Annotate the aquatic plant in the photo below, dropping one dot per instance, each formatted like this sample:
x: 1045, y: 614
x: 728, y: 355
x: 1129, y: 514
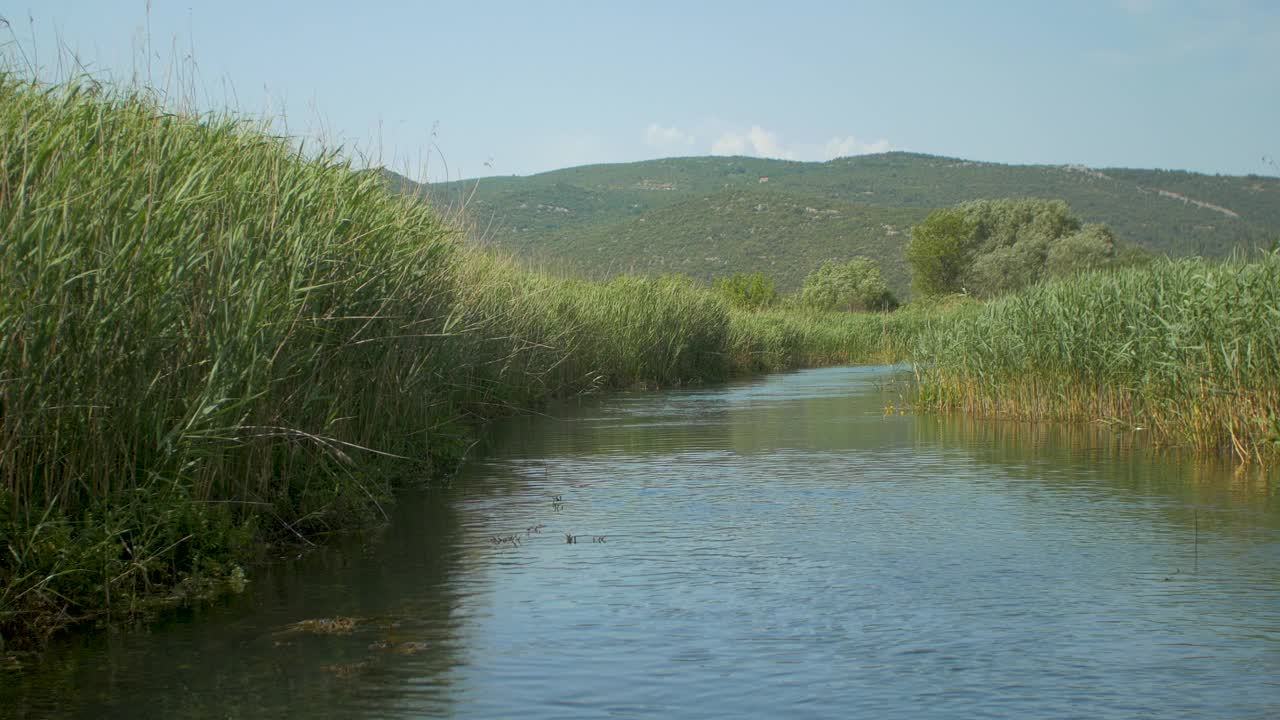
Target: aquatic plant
x: 212, y: 340
x: 774, y: 340
x: 1188, y: 350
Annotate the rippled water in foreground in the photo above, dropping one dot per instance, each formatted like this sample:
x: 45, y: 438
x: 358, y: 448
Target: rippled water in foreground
x: 777, y: 548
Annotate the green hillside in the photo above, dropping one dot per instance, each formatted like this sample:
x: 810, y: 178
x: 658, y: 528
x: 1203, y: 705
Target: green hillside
x: 711, y: 216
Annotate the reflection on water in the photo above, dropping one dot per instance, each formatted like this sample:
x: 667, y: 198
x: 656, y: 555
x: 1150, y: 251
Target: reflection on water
x: 248, y: 658
x: 776, y: 548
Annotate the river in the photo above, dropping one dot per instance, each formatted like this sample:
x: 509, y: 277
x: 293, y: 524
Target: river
x: 799, y: 546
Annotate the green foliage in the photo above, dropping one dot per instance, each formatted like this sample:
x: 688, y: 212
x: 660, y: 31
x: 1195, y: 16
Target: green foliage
x: 710, y: 217
x: 190, y: 315
x: 990, y: 247
x: 1187, y: 349
x: 1091, y: 248
x: 853, y: 285
x: 775, y: 340
x: 210, y: 343
x: 748, y: 229
x: 940, y: 251
x: 748, y: 291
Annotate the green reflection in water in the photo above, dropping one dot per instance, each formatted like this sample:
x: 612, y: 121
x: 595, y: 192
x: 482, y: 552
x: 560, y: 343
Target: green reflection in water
x: 244, y: 657
x: 445, y: 621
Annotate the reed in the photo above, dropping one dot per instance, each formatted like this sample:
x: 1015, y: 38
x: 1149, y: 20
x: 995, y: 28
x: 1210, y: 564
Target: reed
x: 559, y: 336
x: 211, y: 340
x: 1187, y: 350
x: 782, y: 339
x: 196, y: 327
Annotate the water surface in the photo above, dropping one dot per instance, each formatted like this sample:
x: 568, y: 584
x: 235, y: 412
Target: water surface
x: 773, y: 548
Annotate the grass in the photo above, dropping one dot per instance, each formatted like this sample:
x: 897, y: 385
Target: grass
x: 1186, y: 350
x: 211, y: 341
x: 195, y: 326
x: 782, y: 339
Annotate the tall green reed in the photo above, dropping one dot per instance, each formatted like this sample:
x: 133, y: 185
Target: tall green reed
x: 208, y: 339
x: 769, y: 340
x: 195, y: 322
x: 1188, y: 350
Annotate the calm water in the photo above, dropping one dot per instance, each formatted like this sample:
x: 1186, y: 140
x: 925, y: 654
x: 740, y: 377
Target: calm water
x: 778, y: 548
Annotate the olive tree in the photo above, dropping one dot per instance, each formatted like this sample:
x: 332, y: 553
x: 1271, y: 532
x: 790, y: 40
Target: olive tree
x: 854, y: 285
x: 987, y: 247
x: 748, y: 291
x: 1093, y: 247
x: 940, y: 251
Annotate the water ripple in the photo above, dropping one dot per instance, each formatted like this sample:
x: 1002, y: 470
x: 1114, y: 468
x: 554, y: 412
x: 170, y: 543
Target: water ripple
x: 775, y: 548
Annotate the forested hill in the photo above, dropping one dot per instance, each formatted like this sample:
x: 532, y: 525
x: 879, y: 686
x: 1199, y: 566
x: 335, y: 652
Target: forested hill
x: 711, y: 216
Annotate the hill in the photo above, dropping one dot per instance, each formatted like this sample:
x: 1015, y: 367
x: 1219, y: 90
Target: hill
x: 711, y: 216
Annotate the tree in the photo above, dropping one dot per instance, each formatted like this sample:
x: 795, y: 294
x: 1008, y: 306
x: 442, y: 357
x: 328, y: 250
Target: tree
x: 1093, y: 247
x: 854, y: 285
x: 748, y: 291
x: 940, y: 250
x: 988, y: 247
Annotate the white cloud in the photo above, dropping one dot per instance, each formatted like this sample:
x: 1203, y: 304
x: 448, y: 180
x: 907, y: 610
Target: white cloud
x: 666, y: 138
x: 760, y: 142
x: 757, y: 141
x: 730, y: 144
x: 850, y: 145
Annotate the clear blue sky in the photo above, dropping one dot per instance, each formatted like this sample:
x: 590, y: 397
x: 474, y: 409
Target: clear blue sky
x: 523, y: 87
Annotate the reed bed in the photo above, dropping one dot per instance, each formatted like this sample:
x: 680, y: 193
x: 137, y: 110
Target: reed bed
x: 200, y: 334
x: 559, y: 336
x: 1187, y: 350
x: 211, y: 341
x: 772, y: 340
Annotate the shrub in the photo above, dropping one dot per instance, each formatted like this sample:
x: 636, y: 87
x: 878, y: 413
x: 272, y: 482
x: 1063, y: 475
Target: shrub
x: 990, y: 247
x: 752, y: 291
x: 853, y: 285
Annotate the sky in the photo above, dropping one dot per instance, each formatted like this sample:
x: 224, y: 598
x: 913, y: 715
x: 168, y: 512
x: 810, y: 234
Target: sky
x: 469, y: 88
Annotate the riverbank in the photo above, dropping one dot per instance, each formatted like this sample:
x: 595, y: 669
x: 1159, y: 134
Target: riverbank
x: 792, y: 499
x: 1186, y: 350
x: 211, y: 344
